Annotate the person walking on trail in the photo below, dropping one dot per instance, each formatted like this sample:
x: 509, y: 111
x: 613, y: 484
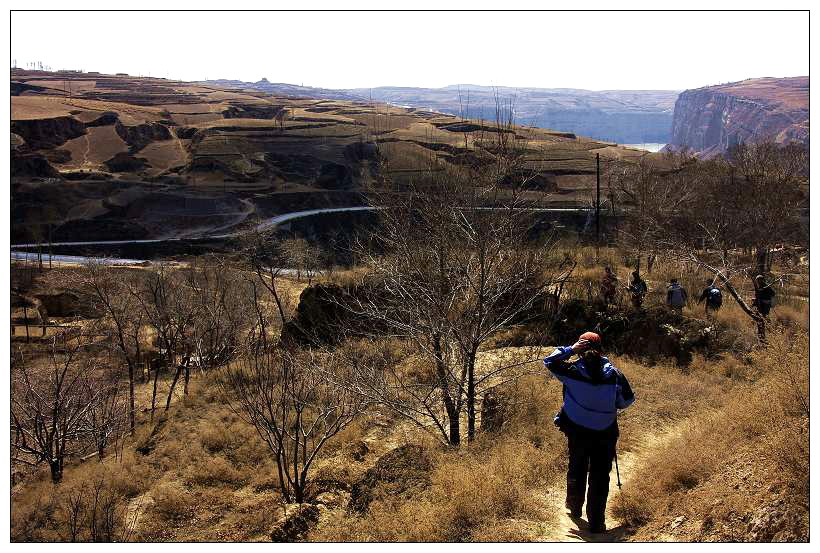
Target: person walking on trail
x: 764, y: 296
x: 676, y: 295
x: 594, y: 390
x: 711, y: 296
x: 637, y: 289
x: 609, y: 286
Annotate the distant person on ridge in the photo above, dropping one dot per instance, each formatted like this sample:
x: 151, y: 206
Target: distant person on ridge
x: 764, y: 296
x: 711, y: 296
x: 637, y: 289
x: 609, y: 286
x: 594, y: 390
x: 676, y: 295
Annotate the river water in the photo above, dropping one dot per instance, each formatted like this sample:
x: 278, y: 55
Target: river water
x: 648, y: 146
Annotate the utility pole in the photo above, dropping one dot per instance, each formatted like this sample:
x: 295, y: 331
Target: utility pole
x: 597, y: 200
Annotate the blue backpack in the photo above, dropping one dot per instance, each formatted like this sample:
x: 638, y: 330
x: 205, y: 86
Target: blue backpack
x: 715, y: 298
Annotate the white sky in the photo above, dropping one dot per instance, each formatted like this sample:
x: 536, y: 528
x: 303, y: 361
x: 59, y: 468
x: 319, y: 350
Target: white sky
x: 600, y: 50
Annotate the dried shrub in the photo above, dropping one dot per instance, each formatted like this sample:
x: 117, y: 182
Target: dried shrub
x: 212, y: 471
x: 172, y: 502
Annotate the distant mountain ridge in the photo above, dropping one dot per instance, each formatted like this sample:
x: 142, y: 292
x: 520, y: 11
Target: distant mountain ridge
x: 622, y: 116
x: 285, y: 89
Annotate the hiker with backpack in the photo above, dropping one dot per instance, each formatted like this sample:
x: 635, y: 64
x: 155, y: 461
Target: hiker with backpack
x: 676, y: 295
x: 711, y: 296
x: 593, y: 392
x: 637, y: 289
x: 764, y: 296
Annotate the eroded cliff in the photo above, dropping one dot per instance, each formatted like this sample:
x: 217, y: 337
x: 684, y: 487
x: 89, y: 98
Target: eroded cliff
x: 712, y: 119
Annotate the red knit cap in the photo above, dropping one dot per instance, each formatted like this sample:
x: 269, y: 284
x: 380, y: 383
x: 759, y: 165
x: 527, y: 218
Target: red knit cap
x: 591, y: 337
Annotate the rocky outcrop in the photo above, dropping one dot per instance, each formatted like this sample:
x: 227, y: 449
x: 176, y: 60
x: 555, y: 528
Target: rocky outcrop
x: 67, y: 304
x: 140, y: 136
x: 651, y: 334
x: 107, y: 118
x: 252, y: 112
x: 126, y: 163
x: 29, y: 164
x: 186, y: 132
x: 42, y: 134
x: 711, y: 120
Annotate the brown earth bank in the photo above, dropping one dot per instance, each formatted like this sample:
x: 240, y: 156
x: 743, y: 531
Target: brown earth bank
x: 261, y: 146
x: 712, y: 119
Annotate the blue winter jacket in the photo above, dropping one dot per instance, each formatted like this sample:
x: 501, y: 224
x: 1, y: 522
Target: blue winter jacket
x: 590, y: 401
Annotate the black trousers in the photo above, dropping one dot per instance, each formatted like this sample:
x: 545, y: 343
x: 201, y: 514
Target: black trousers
x: 590, y: 455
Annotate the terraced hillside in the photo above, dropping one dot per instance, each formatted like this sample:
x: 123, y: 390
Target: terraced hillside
x: 113, y: 156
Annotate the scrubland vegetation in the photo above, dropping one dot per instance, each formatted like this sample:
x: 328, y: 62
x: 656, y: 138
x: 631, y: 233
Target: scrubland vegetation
x: 229, y: 399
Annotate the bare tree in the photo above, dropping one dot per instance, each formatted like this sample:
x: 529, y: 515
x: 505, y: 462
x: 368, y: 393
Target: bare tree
x: 49, y: 405
x: 95, y: 512
x: 165, y: 297
x: 724, y: 207
x: 105, y: 418
x: 294, y: 401
x: 771, y: 177
x: 453, y: 261
x: 650, y: 192
x: 280, y: 118
x: 112, y: 290
x: 222, y: 298
x: 302, y: 256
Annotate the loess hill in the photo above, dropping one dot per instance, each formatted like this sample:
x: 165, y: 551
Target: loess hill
x: 118, y: 157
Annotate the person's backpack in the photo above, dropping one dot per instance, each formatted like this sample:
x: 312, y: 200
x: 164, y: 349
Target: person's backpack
x: 715, y: 298
x: 766, y: 295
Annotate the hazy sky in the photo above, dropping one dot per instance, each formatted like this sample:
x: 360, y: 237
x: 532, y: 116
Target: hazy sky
x: 601, y: 50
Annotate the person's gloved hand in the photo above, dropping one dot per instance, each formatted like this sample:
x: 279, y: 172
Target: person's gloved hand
x: 580, y: 346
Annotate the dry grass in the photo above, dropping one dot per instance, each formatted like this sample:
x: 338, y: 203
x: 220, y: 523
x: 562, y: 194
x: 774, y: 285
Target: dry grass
x: 494, y: 489
x: 207, y: 475
x: 471, y: 491
x: 763, y: 427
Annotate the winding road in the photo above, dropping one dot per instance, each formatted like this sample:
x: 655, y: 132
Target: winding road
x: 265, y: 225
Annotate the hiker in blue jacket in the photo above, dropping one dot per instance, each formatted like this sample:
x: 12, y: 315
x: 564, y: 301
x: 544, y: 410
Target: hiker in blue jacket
x: 676, y: 295
x: 593, y: 392
x: 712, y: 297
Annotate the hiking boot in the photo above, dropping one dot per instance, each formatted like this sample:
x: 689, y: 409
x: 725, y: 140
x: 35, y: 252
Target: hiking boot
x: 574, y: 511
x: 597, y: 528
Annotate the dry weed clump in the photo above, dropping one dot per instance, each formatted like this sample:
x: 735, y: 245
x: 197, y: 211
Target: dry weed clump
x: 768, y: 416
x: 88, y: 506
x: 792, y: 317
x: 172, y: 502
x: 132, y: 477
x: 213, y: 471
